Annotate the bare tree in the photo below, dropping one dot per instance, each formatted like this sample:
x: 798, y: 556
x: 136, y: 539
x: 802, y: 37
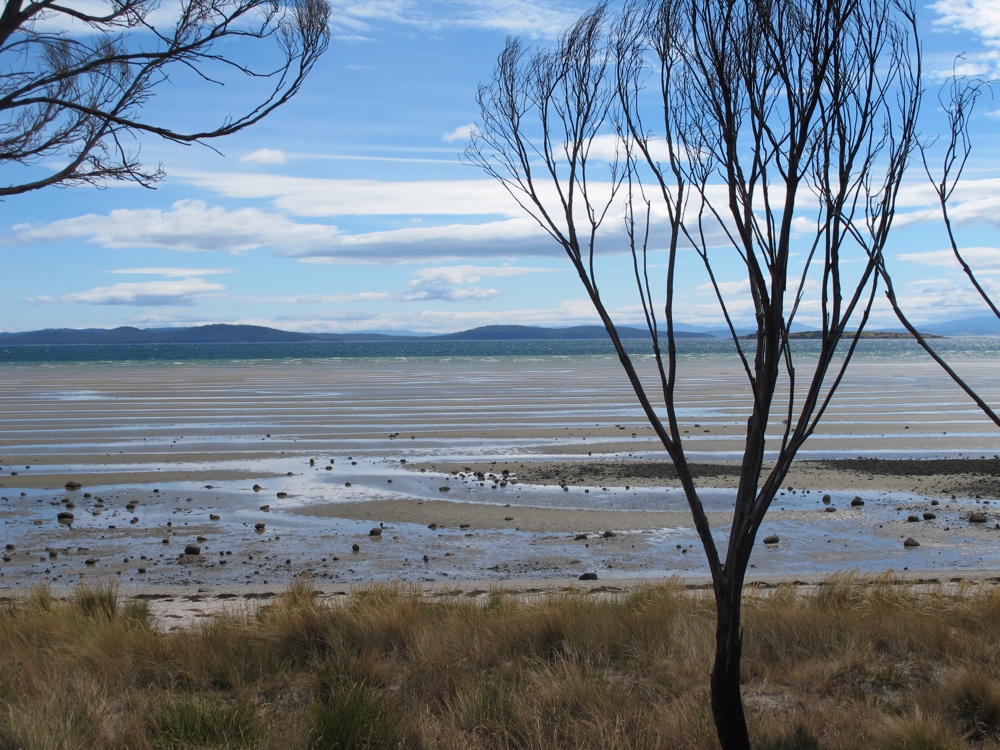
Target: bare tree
x: 958, y: 100
x: 76, y: 80
x: 732, y: 118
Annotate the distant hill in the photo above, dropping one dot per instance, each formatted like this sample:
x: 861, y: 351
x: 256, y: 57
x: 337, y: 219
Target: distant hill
x: 986, y: 325
x: 243, y: 334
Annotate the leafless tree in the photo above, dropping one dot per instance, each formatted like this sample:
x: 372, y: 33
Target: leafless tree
x: 958, y: 100
x: 77, y: 79
x: 732, y: 118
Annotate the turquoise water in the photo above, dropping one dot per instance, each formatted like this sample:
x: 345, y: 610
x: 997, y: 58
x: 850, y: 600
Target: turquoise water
x: 973, y: 347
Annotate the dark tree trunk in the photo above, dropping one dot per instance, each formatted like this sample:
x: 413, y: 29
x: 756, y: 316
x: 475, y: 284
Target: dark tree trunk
x: 727, y: 701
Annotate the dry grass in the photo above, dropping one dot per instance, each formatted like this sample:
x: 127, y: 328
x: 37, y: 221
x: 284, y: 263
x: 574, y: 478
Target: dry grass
x: 862, y: 663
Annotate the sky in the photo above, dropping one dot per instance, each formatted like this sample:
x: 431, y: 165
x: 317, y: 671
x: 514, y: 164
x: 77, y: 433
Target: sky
x: 351, y: 209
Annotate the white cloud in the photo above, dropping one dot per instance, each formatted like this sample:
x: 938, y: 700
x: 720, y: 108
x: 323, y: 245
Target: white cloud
x: 440, y: 283
x: 472, y: 294
x: 311, y: 196
x: 148, y: 293
x: 174, y: 273
x: 265, y: 156
x: 356, y: 20
x: 981, y: 259
x: 469, y: 274
x: 980, y: 17
x: 461, y: 134
x: 189, y: 226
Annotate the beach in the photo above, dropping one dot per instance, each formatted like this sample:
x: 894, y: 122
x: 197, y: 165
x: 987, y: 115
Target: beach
x: 467, y: 473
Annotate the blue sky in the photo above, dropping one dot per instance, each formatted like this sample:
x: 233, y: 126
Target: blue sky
x: 350, y: 209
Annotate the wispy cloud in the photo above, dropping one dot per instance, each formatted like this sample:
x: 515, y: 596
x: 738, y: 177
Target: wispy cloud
x: 461, y: 134
x: 360, y: 19
x: 147, y: 293
x: 265, y: 156
x: 188, y: 226
x: 174, y: 273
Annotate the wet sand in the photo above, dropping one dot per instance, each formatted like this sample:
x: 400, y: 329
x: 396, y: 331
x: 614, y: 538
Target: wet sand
x: 169, y: 455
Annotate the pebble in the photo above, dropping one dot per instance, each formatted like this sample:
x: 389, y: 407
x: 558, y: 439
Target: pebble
x: 609, y: 534
x: 259, y: 526
x: 977, y: 517
x: 192, y: 549
x: 65, y: 515
x: 375, y: 532
x: 73, y: 485
x: 826, y: 499
x: 912, y: 519
x: 857, y: 502
x: 256, y: 488
x: 591, y: 576
x: 282, y: 494
x: 580, y: 537
x: 928, y: 516
x: 355, y: 548
x: 772, y: 539
x: 911, y: 542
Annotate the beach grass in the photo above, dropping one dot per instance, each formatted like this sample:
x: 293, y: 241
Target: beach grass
x: 859, y: 662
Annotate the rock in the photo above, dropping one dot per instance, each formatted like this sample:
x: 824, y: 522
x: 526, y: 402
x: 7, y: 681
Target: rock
x: 355, y: 548
x: 928, y: 516
x: 580, y: 537
x: 214, y: 516
x: 591, y: 576
x: 977, y: 517
x: 830, y: 509
x: 140, y: 570
x: 609, y: 534
x: 444, y: 488
x: 772, y: 539
x: 432, y: 526
x: 64, y: 515
x: 912, y: 519
x: 826, y: 499
x: 265, y: 508
x: 257, y: 488
x: 911, y: 542
x: 375, y: 532
x: 935, y: 502
x: 282, y: 494
x: 192, y: 549
x: 73, y: 485
x: 90, y: 561
x: 857, y: 502
x: 259, y: 526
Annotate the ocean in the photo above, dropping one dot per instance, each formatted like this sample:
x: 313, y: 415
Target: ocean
x: 965, y: 348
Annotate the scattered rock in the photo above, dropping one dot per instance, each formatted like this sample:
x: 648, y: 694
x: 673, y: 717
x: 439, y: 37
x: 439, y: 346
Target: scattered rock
x: 432, y: 526
x: 355, y: 548
x: 259, y: 526
x: 928, y: 516
x: 257, y: 488
x: 73, y: 486
x: 830, y: 509
x: 591, y: 576
x: 772, y: 539
x: 64, y: 515
x: 580, y: 537
x: 90, y: 561
x: 192, y: 549
x: 282, y: 494
x: 140, y: 570
x: 609, y: 534
x: 826, y: 499
x: 912, y: 519
x: 978, y: 517
x: 265, y: 508
x: 444, y: 488
x: 857, y: 502
x: 911, y: 542
x: 214, y: 516
x: 375, y: 532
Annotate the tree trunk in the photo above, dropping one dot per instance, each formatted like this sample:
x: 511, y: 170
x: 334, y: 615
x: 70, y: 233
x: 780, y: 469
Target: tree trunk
x: 727, y: 701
